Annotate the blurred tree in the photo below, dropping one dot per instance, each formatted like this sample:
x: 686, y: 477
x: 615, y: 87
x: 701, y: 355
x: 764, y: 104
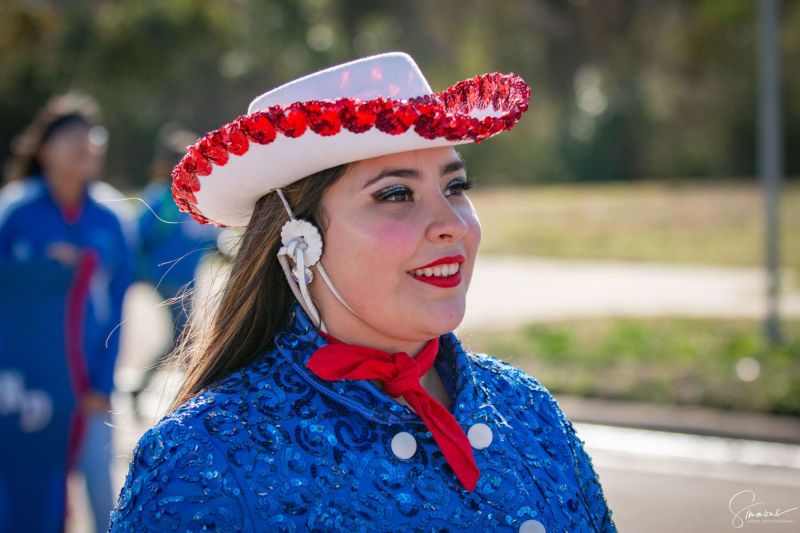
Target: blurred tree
x: 622, y: 89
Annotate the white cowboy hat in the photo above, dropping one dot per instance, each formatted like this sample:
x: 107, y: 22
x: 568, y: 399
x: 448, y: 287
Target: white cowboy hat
x: 366, y: 108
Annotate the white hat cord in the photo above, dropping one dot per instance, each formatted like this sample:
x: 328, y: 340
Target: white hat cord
x: 302, y: 242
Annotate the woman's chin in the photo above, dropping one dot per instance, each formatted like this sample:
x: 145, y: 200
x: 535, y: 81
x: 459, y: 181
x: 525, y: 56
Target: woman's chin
x: 445, y: 319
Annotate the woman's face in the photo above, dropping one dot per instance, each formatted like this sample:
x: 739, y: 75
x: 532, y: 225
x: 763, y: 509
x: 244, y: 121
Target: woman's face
x: 388, y: 217
x: 72, y: 154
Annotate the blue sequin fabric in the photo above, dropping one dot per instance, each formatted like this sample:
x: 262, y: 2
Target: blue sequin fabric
x: 272, y: 447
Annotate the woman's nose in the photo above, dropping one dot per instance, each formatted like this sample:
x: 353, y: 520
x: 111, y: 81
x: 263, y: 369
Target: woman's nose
x: 446, y: 222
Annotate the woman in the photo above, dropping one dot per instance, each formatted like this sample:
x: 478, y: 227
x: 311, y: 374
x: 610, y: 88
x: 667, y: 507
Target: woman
x: 353, y: 406
x: 65, y: 260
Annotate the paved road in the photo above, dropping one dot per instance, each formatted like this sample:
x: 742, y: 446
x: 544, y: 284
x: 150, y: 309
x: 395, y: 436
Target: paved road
x: 666, y: 482
x: 508, y: 291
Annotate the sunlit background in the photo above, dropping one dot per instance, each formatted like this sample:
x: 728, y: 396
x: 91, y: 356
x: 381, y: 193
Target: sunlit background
x: 623, y: 261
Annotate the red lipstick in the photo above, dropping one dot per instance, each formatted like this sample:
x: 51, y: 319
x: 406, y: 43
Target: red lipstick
x: 442, y: 281
x: 443, y: 261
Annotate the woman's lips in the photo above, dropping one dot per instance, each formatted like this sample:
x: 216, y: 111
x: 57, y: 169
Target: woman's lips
x: 441, y: 266
x: 440, y: 281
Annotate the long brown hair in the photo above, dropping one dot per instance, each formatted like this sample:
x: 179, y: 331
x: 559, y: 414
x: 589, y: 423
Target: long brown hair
x: 255, y: 302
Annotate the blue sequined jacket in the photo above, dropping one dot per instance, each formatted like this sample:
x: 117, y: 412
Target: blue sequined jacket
x: 272, y: 447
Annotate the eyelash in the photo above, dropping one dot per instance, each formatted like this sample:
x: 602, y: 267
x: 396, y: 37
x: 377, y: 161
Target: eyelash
x: 395, y: 190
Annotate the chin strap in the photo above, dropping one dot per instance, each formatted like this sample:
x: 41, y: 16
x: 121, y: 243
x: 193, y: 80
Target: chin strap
x: 303, y: 243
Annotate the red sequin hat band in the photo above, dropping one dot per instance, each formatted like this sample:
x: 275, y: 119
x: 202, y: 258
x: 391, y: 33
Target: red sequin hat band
x: 358, y: 110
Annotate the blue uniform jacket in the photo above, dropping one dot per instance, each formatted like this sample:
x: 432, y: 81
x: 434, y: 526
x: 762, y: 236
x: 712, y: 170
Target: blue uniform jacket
x: 274, y: 448
x: 30, y: 221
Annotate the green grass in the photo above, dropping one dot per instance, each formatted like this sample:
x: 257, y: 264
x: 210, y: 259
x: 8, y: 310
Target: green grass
x: 711, y: 223
x: 667, y: 360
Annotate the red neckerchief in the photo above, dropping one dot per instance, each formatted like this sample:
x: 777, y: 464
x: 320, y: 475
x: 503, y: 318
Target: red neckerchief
x: 400, y: 375
x: 72, y: 213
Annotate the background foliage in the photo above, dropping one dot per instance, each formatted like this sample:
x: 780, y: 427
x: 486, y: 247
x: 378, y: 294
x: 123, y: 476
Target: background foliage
x: 623, y: 89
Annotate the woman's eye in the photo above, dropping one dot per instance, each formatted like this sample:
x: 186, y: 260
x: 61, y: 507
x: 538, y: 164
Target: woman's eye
x: 401, y: 193
x: 394, y: 194
x: 460, y: 185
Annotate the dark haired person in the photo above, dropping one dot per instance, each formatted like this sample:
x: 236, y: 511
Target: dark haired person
x: 66, y: 266
x: 329, y: 392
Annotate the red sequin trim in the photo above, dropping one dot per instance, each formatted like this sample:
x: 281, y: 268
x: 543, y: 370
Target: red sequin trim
x: 443, y: 114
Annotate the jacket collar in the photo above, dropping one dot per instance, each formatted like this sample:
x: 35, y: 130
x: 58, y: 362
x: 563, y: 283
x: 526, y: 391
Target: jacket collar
x: 47, y: 193
x: 300, y: 339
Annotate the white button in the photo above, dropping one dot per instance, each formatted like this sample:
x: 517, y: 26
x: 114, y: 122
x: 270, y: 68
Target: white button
x: 404, y: 445
x: 480, y: 436
x: 532, y: 526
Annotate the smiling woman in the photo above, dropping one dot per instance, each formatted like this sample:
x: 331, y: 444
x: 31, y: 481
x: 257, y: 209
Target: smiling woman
x: 329, y: 392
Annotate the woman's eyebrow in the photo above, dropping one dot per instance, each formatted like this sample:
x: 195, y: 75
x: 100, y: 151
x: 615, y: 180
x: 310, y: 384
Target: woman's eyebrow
x: 413, y: 173
x: 453, y: 167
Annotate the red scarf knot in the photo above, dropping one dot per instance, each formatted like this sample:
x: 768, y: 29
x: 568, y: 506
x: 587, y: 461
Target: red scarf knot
x: 406, y: 377
x: 400, y: 375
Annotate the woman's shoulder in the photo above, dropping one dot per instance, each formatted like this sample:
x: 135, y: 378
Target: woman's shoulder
x: 107, y: 211
x: 197, y: 417
x: 110, y: 204
x: 179, y: 477
x: 537, y: 406
x: 18, y: 195
x: 520, y: 392
x: 505, y: 377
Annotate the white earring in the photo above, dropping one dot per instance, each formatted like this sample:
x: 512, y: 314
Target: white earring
x: 302, y: 242
x: 307, y: 241
x: 309, y: 275
x: 307, y: 237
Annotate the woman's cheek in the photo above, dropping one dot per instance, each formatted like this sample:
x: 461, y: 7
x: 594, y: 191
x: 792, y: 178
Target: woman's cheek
x: 370, y: 254
x: 472, y: 241
x: 389, y: 237
x: 470, y: 217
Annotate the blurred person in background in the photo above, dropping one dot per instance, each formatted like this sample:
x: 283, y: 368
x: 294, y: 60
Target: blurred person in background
x: 67, y: 264
x: 171, y: 244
